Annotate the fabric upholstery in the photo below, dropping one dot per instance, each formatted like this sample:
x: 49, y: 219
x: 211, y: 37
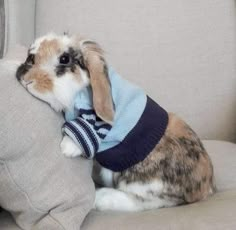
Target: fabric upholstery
x: 217, y: 212
x: 181, y: 52
x: 223, y: 155
x: 7, y: 222
x: 38, y: 185
x: 2, y: 27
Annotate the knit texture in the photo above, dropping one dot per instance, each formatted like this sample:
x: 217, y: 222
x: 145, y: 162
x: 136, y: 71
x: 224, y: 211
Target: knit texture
x: 139, y: 123
x: 139, y: 142
x: 87, y: 131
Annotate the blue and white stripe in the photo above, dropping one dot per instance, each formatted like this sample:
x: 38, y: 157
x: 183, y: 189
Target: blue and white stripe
x: 87, y: 130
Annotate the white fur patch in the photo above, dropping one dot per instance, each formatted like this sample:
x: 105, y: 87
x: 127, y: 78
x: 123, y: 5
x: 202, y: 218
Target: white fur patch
x: 112, y: 199
x: 106, y: 176
x: 66, y: 87
x: 117, y: 200
x: 46, y: 96
x: 144, y: 190
x: 135, y: 196
x: 69, y: 148
x: 84, y: 77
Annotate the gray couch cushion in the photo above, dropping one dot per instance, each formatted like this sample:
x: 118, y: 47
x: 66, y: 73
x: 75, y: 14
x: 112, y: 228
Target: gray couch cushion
x: 181, y: 52
x: 223, y: 155
x: 7, y: 222
x: 41, y: 188
x: 217, y: 212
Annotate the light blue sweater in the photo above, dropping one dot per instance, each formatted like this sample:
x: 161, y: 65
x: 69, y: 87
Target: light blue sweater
x: 98, y: 138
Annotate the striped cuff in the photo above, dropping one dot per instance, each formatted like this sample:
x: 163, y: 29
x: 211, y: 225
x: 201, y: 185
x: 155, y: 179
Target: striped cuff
x: 83, y: 135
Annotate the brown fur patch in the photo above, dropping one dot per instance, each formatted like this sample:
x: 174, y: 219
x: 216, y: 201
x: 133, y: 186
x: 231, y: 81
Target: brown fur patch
x: 180, y: 161
x: 177, y: 126
x: 41, y: 79
x: 95, y: 63
x: 47, y: 49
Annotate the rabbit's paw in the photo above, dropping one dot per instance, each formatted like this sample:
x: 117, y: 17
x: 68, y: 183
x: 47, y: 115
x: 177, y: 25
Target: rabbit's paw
x: 69, y: 148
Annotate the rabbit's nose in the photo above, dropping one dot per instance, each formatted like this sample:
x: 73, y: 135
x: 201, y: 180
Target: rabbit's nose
x: 21, y: 71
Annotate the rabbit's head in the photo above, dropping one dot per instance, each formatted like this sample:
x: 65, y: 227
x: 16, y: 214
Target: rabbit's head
x: 58, y: 67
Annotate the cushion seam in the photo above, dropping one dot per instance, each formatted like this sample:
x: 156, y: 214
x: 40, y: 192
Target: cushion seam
x: 28, y: 199
x: 22, y: 191
x: 56, y: 221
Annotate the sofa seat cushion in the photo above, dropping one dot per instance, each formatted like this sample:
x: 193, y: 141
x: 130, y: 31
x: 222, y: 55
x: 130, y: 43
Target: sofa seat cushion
x: 223, y: 156
x: 217, y: 212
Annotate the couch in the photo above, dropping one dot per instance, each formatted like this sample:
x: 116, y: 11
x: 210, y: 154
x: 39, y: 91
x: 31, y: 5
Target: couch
x: 183, y: 54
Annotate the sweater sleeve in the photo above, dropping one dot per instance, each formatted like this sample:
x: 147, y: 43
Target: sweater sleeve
x: 87, y: 131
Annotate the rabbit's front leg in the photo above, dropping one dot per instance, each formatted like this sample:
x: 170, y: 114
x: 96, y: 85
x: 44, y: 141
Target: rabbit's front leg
x: 69, y: 148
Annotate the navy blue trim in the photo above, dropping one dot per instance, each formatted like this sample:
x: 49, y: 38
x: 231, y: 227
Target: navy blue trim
x: 79, y: 137
x: 89, y: 132
x: 87, y: 111
x: 90, y: 121
x: 103, y: 126
x: 101, y: 135
x: 140, y: 141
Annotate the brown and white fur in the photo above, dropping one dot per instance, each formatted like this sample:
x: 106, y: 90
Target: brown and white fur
x: 177, y: 171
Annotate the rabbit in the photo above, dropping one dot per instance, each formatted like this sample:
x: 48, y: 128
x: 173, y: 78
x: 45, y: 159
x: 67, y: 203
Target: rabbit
x: 164, y: 165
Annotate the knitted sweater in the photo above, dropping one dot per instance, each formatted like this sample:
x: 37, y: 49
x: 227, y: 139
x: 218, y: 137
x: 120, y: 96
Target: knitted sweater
x: 139, y: 123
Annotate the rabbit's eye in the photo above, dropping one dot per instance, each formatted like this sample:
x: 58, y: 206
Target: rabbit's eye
x: 65, y: 59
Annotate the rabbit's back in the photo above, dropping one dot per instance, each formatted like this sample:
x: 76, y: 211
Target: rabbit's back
x: 179, y: 162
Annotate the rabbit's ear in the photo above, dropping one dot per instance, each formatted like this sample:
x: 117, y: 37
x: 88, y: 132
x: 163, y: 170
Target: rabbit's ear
x: 92, y: 59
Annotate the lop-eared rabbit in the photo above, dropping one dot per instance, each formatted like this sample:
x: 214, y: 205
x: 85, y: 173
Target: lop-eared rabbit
x: 145, y: 157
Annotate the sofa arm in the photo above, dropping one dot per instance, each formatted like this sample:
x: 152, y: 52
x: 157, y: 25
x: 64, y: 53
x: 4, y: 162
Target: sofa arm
x: 17, y: 23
